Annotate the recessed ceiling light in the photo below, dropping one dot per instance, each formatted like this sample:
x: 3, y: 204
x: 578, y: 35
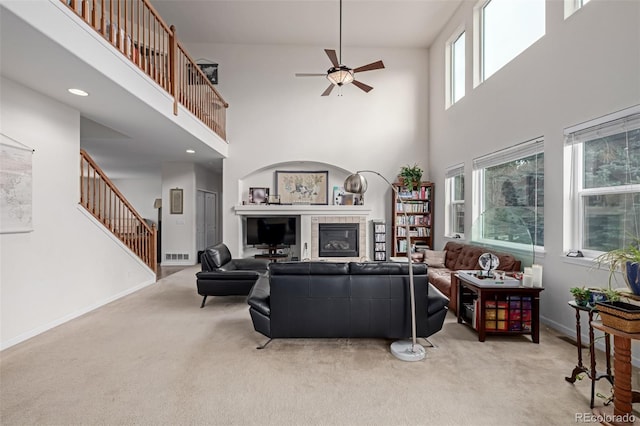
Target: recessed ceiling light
x: 78, y: 92
x: 190, y: 151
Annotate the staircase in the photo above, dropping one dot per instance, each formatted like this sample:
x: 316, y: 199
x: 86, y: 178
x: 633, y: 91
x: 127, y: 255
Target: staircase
x: 103, y: 200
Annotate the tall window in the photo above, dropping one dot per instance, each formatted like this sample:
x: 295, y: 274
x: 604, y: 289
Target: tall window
x: 507, y: 28
x: 509, y: 196
x: 457, y: 68
x: 570, y: 6
x: 454, y: 193
x: 604, y: 193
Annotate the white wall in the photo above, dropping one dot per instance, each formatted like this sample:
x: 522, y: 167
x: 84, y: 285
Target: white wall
x: 141, y: 193
x: 68, y: 265
x: 276, y: 118
x: 179, y: 230
x: 583, y: 68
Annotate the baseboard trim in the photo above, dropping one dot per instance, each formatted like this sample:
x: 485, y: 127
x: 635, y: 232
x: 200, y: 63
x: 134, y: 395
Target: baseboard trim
x: 46, y: 327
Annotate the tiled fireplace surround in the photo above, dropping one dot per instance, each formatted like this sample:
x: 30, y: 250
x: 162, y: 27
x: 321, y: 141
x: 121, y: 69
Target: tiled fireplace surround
x: 362, y: 235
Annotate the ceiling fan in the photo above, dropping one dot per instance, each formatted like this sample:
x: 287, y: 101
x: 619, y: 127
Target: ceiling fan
x: 340, y: 74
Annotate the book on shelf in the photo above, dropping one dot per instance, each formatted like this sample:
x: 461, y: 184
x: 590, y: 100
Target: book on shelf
x: 496, y: 313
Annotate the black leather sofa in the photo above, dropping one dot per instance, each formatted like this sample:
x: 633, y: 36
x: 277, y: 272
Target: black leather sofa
x: 223, y: 276
x: 327, y: 299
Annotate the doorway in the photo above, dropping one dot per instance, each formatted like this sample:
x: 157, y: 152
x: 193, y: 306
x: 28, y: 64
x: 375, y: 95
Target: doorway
x: 206, y: 219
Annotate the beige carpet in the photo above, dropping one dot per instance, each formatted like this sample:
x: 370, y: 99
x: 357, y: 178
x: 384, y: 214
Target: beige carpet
x: 155, y: 357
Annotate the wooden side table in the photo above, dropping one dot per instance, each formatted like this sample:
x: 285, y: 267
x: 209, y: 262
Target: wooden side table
x: 591, y: 372
x: 623, y: 395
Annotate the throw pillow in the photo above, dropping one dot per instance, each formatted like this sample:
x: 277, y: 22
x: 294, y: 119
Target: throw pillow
x: 435, y: 259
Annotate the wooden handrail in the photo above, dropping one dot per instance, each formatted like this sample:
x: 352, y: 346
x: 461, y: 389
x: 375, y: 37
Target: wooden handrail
x: 137, y: 30
x: 106, y: 203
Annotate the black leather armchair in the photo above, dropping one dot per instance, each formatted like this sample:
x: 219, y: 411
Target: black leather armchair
x: 223, y: 276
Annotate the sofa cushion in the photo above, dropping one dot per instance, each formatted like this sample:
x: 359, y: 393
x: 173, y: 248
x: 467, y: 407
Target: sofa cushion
x: 441, y: 279
x: 453, y: 250
x: 434, y: 259
x: 218, y: 254
x: 468, y: 258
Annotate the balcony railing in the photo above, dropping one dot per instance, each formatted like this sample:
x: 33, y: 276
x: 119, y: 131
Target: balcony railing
x: 103, y: 200
x: 139, y: 33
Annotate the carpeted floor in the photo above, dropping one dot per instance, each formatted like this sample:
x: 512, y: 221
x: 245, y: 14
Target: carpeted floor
x: 155, y: 357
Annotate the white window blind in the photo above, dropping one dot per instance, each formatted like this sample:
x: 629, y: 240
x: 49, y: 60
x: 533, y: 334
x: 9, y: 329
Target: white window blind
x: 516, y: 152
x: 456, y: 170
x: 593, y: 130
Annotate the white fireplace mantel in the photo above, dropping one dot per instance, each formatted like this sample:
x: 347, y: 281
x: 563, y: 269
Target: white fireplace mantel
x: 310, y: 216
x: 300, y: 209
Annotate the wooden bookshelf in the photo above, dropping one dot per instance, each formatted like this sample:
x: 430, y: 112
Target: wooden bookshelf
x: 418, y: 204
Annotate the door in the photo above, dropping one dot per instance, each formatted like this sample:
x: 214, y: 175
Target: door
x: 206, y: 219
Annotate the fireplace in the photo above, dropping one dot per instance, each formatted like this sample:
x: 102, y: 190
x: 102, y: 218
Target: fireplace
x: 338, y: 239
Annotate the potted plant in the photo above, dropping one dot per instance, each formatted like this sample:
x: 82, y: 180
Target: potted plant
x: 411, y: 175
x: 580, y: 295
x: 626, y: 260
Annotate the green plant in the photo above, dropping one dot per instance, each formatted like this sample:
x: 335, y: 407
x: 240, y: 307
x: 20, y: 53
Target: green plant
x: 612, y: 295
x: 580, y: 294
x: 411, y: 174
x: 616, y: 260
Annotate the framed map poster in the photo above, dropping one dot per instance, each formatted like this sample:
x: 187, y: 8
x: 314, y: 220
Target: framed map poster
x: 302, y: 187
x: 16, y: 186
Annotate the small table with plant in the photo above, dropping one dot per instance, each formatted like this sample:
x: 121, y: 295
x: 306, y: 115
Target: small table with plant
x: 580, y: 368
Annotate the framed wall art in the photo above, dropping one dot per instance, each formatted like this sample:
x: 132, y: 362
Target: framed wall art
x: 258, y: 195
x: 175, y: 200
x: 302, y: 187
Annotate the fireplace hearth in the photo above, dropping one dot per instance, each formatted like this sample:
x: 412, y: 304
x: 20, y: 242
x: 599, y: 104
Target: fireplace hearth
x: 338, y: 239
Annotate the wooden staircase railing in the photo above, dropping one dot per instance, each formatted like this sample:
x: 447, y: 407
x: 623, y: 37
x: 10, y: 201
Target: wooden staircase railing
x: 103, y: 200
x: 136, y: 29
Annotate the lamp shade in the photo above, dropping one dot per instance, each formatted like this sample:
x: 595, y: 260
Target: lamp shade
x: 355, y: 184
x: 340, y: 75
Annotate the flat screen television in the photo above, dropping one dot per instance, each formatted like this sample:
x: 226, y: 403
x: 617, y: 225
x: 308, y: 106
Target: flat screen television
x: 271, y: 231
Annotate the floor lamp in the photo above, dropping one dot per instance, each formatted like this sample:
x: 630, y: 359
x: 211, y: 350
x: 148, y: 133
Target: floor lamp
x: 406, y: 350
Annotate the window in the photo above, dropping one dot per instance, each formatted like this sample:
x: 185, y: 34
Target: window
x: 509, y: 196
x: 507, y: 28
x: 454, y: 193
x: 456, y: 69
x: 570, y: 6
x: 604, y: 176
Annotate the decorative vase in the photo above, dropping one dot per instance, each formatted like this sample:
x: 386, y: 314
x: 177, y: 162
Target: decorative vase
x: 632, y: 275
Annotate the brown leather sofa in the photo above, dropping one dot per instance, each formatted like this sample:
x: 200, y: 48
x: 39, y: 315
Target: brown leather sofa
x: 464, y: 257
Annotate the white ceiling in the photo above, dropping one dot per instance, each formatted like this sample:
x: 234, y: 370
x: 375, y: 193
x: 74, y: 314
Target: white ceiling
x: 365, y: 23
x: 118, y: 134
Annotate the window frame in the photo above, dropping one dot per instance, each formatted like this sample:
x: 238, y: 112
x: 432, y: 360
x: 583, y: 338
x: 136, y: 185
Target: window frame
x: 450, y: 67
x: 479, y: 43
x: 522, y: 150
x: 575, y: 193
x: 450, y: 174
x: 572, y: 6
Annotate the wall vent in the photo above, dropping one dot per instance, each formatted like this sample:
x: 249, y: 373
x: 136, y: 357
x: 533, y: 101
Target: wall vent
x: 176, y: 256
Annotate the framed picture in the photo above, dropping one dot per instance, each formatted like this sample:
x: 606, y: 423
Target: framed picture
x: 302, y: 187
x: 258, y: 195
x: 175, y: 199
x: 211, y: 71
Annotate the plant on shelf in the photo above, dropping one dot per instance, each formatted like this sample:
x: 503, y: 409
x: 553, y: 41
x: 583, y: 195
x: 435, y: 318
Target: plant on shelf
x: 581, y: 295
x: 411, y: 175
x: 625, y: 259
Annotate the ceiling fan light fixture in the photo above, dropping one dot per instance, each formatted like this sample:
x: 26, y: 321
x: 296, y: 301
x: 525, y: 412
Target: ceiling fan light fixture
x: 340, y: 75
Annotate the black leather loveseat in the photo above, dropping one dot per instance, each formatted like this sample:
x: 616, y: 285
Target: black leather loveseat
x: 327, y: 299
x: 223, y: 276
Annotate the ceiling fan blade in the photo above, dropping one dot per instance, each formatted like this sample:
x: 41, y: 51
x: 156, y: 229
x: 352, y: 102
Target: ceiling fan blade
x: 370, y: 67
x: 333, y: 57
x: 328, y: 91
x: 362, y: 86
x: 304, y: 74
